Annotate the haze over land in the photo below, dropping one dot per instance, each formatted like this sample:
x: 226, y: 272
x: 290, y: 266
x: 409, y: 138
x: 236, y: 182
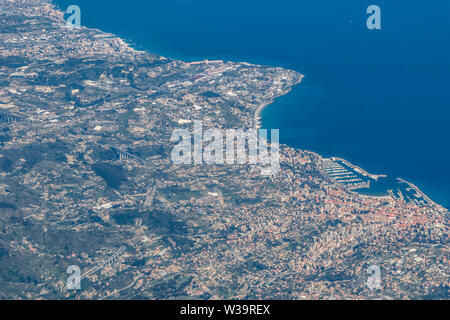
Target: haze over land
x: 86, y: 179
x: 378, y: 98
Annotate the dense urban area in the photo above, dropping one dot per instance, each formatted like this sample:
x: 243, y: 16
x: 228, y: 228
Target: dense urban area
x: 86, y: 179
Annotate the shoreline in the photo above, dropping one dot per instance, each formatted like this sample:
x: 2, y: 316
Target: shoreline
x: 376, y: 177
x: 360, y: 170
x: 418, y: 191
x: 257, y: 114
x: 137, y: 49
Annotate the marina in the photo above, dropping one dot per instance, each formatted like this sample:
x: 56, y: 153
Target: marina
x: 345, y: 175
x: 355, y: 179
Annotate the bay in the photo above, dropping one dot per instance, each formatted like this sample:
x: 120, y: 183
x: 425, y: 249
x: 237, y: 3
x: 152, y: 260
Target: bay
x: 378, y: 98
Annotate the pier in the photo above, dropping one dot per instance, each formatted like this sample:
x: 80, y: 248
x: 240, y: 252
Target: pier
x: 344, y: 174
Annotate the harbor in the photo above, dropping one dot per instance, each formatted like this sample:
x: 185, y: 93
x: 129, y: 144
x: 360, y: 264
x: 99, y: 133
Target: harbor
x: 341, y: 172
x: 355, y: 179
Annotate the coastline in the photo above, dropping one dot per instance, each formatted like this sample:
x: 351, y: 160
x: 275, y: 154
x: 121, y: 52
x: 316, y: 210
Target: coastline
x: 376, y: 177
x: 360, y: 170
x: 95, y: 168
x: 418, y: 191
x: 130, y: 45
x: 257, y: 115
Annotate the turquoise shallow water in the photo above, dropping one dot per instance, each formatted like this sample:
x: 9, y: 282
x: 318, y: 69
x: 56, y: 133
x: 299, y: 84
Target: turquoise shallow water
x: 379, y: 99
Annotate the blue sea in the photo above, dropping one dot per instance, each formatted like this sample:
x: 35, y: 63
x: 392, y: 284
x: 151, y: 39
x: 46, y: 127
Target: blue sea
x: 378, y: 98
